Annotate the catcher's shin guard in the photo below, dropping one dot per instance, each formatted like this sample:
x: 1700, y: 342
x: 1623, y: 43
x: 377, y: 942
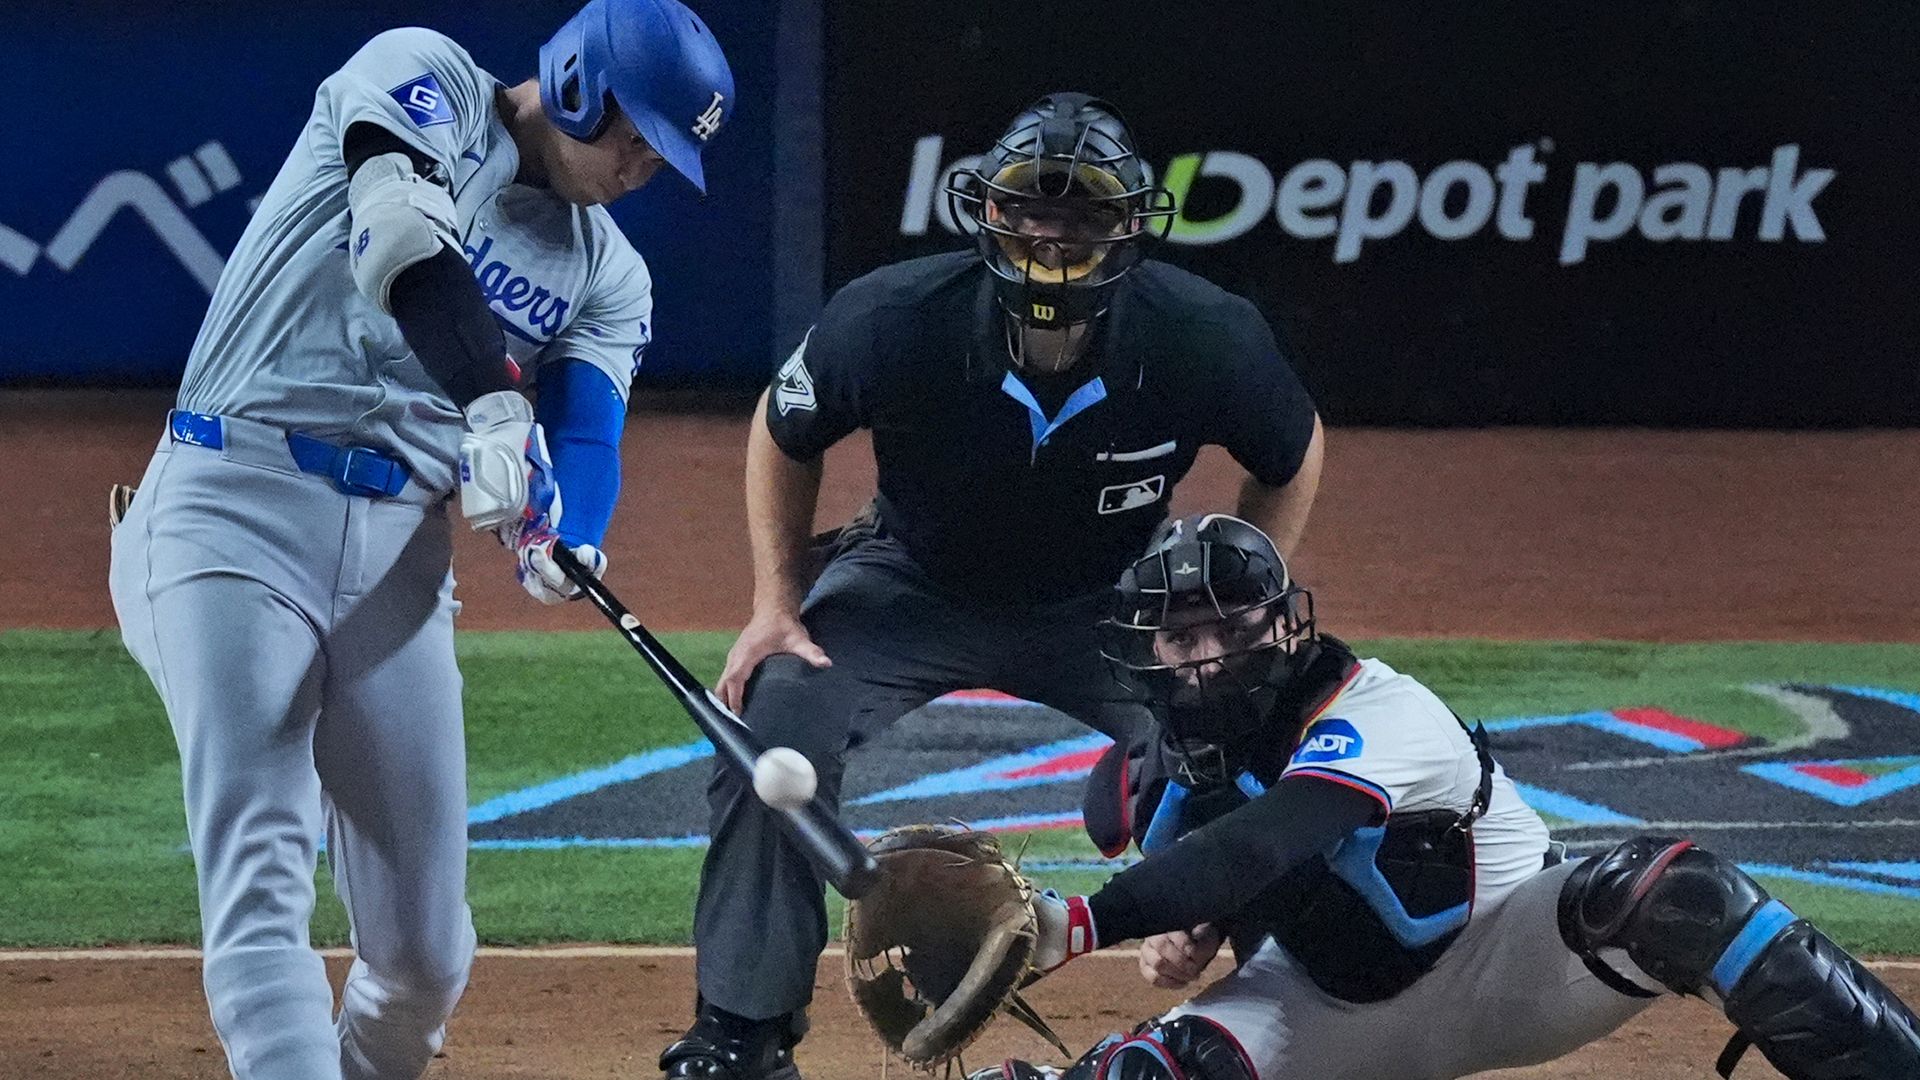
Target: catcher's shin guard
x: 1700, y: 925
x: 1810, y: 1008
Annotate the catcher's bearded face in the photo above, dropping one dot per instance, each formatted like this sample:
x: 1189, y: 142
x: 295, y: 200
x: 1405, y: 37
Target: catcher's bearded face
x: 1218, y: 657
x: 1198, y: 638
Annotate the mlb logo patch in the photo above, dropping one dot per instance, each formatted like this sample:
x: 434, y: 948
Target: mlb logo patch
x: 425, y: 103
x: 1332, y: 739
x: 1120, y: 498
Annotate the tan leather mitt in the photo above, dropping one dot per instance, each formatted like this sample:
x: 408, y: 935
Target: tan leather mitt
x: 942, y: 944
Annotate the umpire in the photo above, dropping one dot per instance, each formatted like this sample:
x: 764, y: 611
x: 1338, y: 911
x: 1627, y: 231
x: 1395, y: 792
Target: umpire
x: 1032, y: 406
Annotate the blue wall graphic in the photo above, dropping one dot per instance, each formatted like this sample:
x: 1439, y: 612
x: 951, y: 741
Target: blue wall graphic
x: 172, y: 120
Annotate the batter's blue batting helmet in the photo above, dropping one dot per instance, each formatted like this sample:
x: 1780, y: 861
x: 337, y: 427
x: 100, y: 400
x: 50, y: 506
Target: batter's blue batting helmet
x: 657, y: 60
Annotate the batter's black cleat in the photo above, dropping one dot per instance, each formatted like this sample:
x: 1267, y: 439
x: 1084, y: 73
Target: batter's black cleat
x: 722, y: 1046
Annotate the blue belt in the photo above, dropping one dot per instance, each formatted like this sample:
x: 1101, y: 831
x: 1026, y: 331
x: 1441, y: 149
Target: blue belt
x: 354, y: 470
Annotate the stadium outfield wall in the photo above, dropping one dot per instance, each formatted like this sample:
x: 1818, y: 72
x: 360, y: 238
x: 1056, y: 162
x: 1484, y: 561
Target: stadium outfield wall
x: 1693, y: 215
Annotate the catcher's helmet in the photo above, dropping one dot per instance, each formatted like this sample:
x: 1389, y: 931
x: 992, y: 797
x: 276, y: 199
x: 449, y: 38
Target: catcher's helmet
x: 1212, y: 623
x: 656, y: 60
x: 1059, y: 207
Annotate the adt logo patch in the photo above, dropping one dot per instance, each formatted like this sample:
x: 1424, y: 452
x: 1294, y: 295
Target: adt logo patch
x: 1330, y: 740
x: 425, y: 103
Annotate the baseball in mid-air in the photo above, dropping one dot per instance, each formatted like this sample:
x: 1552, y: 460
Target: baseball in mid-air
x: 783, y: 778
x: 628, y: 622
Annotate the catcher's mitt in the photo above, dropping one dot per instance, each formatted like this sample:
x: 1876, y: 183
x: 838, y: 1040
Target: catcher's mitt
x: 942, y: 943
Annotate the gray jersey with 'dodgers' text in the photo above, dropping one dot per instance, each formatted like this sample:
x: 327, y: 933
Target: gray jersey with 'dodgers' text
x: 290, y: 341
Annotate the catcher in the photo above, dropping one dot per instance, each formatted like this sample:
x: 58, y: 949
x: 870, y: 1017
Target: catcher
x: 1395, y: 909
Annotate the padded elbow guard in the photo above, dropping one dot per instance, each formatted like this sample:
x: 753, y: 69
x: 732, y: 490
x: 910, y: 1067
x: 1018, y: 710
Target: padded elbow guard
x: 1699, y: 924
x: 398, y: 219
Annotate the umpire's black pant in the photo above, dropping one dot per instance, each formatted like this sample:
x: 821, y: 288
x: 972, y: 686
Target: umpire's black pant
x: 897, y: 641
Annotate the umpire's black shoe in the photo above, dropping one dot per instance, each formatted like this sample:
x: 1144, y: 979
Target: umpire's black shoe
x: 722, y: 1046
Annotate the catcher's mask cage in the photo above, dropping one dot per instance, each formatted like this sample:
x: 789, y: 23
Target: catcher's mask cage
x: 1059, y: 208
x: 1210, y: 621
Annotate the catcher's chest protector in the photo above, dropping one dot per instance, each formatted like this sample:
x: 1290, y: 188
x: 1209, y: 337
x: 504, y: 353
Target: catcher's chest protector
x: 1365, y: 920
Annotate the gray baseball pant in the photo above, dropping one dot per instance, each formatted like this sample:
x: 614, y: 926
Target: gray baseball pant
x: 1507, y: 993
x: 302, y: 643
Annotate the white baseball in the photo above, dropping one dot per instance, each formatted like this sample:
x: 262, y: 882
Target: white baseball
x: 783, y: 778
x: 628, y: 622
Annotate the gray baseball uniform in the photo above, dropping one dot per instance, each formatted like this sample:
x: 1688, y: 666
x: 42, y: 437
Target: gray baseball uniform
x: 1533, y: 999
x: 283, y: 575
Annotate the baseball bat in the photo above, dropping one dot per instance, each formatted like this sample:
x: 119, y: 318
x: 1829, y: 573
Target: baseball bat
x: 835, y: 851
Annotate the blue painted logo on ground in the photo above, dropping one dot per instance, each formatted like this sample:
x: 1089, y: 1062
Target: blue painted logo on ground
x: 1791, y: 809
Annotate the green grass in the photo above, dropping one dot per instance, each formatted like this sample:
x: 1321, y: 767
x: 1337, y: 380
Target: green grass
x: 92, y: 834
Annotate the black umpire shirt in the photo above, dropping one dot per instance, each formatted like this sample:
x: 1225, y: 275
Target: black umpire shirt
x: 1016, y: 489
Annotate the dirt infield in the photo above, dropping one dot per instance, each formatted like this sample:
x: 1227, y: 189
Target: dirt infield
x: 578, y: 1018
x: 1510, y: 534
x: 1505, y: 533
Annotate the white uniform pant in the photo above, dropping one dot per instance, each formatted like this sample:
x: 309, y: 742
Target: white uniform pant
x: 302, y: 643
x: 1506, y: 993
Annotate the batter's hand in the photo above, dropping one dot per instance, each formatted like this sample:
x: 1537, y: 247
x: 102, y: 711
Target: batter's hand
x: 506, y: 474
x: 1171, y: 961
x: 765, y: 635
x: 532, y: 546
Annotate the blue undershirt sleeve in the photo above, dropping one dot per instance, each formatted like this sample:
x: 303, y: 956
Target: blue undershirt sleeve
x: 584, y: 415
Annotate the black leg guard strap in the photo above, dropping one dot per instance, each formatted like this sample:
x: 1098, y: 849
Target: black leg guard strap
x: 1812, y: 1010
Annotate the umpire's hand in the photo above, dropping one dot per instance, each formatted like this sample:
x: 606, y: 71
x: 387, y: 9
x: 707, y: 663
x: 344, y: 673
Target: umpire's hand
x: 765, y: 634
x: 1171, y: 961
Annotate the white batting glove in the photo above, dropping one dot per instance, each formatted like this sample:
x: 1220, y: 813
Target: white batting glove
x: 506, y: 474
x: 539, y: 574
x: 1066, y: 930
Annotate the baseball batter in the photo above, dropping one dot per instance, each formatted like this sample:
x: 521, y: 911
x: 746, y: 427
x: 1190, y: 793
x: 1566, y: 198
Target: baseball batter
x: 433, y: 243
x: 1396, y: 911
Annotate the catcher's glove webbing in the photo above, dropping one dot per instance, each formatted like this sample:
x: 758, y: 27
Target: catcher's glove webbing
x: 942, y: 943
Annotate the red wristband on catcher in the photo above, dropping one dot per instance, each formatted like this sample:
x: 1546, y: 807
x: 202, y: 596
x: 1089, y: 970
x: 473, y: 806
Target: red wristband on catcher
x: 1081, y: 938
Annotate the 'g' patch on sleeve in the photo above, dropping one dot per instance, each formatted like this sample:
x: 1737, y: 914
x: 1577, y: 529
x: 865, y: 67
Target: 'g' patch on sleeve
x: 1332, y: 739
x: 423, y: 100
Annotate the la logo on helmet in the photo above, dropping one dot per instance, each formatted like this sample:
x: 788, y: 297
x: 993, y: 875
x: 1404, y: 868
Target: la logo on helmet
x: 708, y: 122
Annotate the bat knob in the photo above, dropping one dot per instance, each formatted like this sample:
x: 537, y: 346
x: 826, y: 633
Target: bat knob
x: 860, y: 878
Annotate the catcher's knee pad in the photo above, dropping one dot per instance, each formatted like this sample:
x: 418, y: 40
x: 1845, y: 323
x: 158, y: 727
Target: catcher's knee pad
x: 1184, y: 1048
x: 1700, y: 925
x: 1672, y: 907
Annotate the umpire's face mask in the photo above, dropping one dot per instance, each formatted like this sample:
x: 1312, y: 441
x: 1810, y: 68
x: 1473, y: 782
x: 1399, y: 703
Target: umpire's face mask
x: 1057, y: 241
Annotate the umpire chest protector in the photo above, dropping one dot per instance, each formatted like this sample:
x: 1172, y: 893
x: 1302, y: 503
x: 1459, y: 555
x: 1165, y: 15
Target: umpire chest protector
x: 1012, y: 487
x: 1364, y: 920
